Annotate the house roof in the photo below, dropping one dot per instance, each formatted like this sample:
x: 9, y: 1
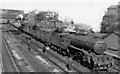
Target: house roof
x: 113, y: 6
x: 113, y: 41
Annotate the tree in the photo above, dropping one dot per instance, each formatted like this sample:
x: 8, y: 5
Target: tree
x: 47, y: 15
x: 68, y: 20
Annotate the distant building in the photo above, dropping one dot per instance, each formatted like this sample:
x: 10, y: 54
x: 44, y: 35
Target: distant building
x: 83, y: 26
x: 111, y: 19
x: 10, y: 13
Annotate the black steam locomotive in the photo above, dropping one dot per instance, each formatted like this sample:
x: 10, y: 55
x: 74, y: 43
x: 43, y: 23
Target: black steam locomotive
x: 85, y: 48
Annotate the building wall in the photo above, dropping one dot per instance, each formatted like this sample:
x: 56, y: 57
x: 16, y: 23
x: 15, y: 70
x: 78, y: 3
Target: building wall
x: 111, y: 19
x: 9, y: 13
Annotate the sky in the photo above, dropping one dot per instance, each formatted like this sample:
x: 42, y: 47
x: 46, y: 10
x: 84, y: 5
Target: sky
x: 81, y: 11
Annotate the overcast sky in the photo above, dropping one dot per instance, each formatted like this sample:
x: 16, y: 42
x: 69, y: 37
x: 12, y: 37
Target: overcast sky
x: 84, y: 11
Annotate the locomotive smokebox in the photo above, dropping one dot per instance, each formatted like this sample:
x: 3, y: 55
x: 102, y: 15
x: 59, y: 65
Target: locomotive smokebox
x: 100, y: 47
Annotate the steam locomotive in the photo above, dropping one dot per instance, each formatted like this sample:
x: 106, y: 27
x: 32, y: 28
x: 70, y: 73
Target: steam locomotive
x: 85, y: 48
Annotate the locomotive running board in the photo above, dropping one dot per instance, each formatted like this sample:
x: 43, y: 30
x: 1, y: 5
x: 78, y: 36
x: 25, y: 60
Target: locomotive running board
x: 111, y: 54
x: 106, y: 52
x: 79, y: 49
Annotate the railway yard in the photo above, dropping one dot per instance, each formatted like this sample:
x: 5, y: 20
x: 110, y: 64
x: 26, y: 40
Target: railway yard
x: 40, y: 42
x: 24, y: 60
x: 19, y: 59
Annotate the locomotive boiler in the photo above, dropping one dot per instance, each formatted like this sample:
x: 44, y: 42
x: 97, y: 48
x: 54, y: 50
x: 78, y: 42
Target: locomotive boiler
x: 96, y: 45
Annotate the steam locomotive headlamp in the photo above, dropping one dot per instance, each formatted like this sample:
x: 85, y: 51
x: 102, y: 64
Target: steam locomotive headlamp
x: 100, y: 47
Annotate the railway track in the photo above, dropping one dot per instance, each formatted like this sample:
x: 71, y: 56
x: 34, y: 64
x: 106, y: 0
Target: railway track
x: 78, y: 68
x: 51, y: 58
x: 15, y: 67
x: 36, y: 66
x: 28, y: 67
x: 28, y: 52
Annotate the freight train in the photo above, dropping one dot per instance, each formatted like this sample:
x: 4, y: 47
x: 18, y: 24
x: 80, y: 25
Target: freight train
x: 85, y: 48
